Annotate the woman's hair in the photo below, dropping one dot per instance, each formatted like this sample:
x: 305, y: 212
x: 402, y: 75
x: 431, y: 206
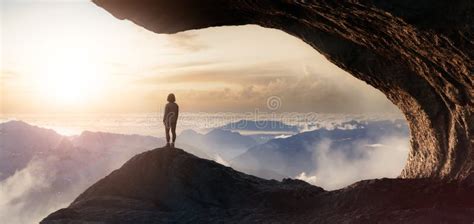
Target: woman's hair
x: 171, y: 98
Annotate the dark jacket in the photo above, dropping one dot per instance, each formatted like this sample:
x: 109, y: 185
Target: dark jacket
x: 171, y: 113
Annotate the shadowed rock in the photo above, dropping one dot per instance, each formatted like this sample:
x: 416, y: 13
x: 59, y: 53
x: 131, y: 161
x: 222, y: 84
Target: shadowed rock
x: 168, y: 185
x: 419, y: 54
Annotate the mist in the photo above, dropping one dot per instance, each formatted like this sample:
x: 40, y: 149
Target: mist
x: 48, y: 184
x: 332, y: 156
x: 29, y: 194
x: 335, y: 169
x: 62, y: 167
x: 58, y: 168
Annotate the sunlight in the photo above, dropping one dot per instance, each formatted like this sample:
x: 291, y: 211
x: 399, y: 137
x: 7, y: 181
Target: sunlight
x: 70, y: 78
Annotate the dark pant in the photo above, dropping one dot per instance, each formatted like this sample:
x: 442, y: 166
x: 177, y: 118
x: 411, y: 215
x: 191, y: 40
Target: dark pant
x: 171, y: 126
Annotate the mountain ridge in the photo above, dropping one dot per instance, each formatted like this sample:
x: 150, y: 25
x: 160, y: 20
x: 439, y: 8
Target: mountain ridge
x: 169, y: 185
x: 292, y: 155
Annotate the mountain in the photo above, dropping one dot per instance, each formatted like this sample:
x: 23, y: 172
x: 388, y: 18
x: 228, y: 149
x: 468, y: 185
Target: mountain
x: 260, y: 126
x: 296, y: 154
x: 224, y: 143
x: 20, y: 142
x: 261, y: 131
x: 41, y: 170
x: 168, y: 185
x: 110, y: 141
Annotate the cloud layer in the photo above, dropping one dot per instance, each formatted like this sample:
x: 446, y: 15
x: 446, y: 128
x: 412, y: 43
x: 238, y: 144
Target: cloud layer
x: 242, y: 65
x: 336, y: 170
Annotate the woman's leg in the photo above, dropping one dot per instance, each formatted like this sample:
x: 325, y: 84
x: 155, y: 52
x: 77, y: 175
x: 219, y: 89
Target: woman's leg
x: 173, y: 131
x: 167, y: 131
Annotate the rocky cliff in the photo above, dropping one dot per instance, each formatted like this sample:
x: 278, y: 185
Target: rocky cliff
x: 420, y: 54
x: 168, y: 185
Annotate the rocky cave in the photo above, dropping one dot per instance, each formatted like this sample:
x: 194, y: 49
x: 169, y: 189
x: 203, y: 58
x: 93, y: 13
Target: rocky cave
x: 420, y: 54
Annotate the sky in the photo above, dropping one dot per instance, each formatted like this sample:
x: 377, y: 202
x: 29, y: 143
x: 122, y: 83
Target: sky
x: 74, y: 57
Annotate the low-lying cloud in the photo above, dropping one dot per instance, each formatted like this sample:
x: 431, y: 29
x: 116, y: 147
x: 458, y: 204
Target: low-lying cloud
x: 19, y: 193
x: 335, y: 169
x: 50, y: 182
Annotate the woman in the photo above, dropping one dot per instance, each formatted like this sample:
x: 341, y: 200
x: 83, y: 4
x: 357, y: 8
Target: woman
x: 170, y: 119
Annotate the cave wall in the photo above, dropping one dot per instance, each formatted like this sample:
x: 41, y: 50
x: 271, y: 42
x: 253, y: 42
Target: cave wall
x: 419, y: 54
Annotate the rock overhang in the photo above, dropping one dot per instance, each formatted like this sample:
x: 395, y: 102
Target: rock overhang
x: 419, y: 54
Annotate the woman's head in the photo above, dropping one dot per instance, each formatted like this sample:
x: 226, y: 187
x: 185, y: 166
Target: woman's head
x: 171, y: 98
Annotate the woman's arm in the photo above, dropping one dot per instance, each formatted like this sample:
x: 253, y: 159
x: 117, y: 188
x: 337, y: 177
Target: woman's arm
x: 166, y: 112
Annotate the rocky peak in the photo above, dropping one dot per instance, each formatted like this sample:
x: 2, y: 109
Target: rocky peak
x: 170, y: 185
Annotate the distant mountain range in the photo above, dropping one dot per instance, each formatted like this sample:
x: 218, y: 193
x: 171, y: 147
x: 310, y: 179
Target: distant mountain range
x: 218, y: 142
x: 294, y: 155
x: 260, y: 126
x: 41, y: 170
x: 74, y: 162
x: 20, y: 142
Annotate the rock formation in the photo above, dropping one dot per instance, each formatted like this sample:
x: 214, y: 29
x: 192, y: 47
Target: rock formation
x: 418, y: 53
x: 168, y: 185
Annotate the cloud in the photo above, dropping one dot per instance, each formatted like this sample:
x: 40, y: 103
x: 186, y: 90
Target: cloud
x: 223, y: 72
x: 220, y: 160
x: 47, y: 184
x: 245, y: 87
x: 336, y: 169
x: 187, y: 41
x: 298, y: 94
x: 310, y: 179
x: 19, y: 194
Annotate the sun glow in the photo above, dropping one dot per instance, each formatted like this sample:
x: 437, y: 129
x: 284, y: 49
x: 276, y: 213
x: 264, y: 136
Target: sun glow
x: 70, y: 78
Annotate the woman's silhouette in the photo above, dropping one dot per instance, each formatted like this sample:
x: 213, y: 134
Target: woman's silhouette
x: 170, y: 119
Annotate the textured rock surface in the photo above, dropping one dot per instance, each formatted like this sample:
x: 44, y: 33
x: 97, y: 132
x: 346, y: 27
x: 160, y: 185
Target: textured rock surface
x: 419, y: 53
x: 169, y: 186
